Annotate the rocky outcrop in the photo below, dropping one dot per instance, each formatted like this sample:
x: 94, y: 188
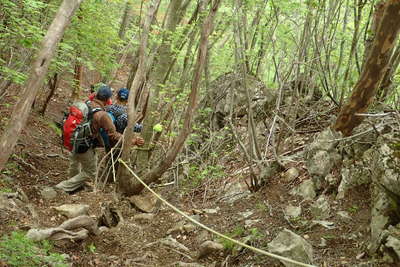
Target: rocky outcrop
x: 385, y: 170
x: 305, y: 189
x: 321, y: 156
x: 292, y: 246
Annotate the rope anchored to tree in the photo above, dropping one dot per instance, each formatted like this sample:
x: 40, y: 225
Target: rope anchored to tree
x: 260, y: 251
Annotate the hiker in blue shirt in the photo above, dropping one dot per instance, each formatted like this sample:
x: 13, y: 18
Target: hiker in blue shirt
x: 119, y: 114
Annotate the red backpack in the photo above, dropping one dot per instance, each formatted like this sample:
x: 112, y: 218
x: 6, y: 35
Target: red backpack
x: 77, y: 133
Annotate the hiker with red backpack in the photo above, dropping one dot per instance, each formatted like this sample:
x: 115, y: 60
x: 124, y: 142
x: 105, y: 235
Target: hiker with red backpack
x: 81, y: 130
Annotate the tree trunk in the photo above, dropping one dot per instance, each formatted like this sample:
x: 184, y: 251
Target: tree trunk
x: 123, y: 180
x: 125, y: 20
x: 376, y: 19
x: 165, y: 59
x: 38, y: 73
x: 357, y: 21
x: 53, y: 84
x: 78, y: 71
x: 373, y: 71
x: 155, y: 173
x: 386, y: 84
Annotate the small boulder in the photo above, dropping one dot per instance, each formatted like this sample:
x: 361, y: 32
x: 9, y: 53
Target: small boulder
x: 246, y: 214
x: 344, y: 216
x: 173, y: 243
x: 209, y: 247
x: 73, y: 210
x: 306, y: 189
x: 291, y: 174
x: 144, y: 203
x: 186, y: 264
x: 144, y: 217
x: 293, y: 246
x: 292, y: 211
x: 211, y: 211
x: 320, y: 208
x: 202, y: 236
x: 48, y: 193
x: 235, y: 191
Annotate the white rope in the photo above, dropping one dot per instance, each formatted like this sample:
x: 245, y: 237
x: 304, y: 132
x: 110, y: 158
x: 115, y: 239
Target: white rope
x: 211, y: 230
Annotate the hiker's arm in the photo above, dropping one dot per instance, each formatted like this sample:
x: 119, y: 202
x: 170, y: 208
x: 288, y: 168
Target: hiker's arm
x: 109, y: 127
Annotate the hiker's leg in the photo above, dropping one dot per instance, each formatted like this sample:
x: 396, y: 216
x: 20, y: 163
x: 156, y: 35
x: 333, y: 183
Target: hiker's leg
x: 74, y: 166
x: 88, y: 163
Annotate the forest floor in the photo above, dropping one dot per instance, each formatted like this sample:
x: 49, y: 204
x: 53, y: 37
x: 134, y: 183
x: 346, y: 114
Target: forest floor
x: 38, y: 161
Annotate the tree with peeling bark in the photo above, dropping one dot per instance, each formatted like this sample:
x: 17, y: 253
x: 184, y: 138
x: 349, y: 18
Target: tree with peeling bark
x: 37, y: 75
x: 373, y: 71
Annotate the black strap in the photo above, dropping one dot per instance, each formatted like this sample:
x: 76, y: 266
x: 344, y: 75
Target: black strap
x: 92, y: 110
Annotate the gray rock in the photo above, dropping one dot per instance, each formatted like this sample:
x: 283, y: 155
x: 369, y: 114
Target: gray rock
x: 48, y: 193
x: 305, y: 189
x: 293, y: 246
x: 249, y: 223
x: 320, y: 208
x: 325, y: 141
x: 103, y: 229
x: 323, y: 243
x: 146, y: 203
x: 235, y: 191
x: 293, y: 211
x: 189, y: 227
x: 173, y: 243
x: 185, y: 264
x: 202, y: 236
x: 394, y: 244
x: 144, y: 217
x: 211, y: 211
x: 73, y: 210
x: 355, y: 173
x: 246, y: 214
x: 326, y: 224
x: 182, y: 227
x: 209, y: 247
x: 196, y: 217
x: 344, y: 215
x: 321, y: 156
x: 291, y: 174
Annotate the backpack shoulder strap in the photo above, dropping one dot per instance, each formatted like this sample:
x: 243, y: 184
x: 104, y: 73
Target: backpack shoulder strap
x: 92, y: 110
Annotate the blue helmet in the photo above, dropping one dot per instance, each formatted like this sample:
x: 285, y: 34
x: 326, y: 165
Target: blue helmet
x: 104, y: 93
x: 123, y: 94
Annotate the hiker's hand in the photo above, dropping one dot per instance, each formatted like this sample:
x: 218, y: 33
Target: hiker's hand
x: 138, y: 141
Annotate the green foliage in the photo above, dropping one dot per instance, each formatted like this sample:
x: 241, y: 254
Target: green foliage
x: 21, y: 29
x: 252, y: 234
x: 92, y: 39
x: 353, y: 209
x: 237, y: 232
x: 91, y: 248
x: 55, y: 128
x: 198, y: 174
x: 17, y: 250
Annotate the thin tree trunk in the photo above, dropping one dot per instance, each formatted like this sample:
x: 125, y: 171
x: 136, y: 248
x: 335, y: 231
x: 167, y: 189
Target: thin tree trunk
x: 374, y: 69
x: 78, y: 71
x: 354, y: 42
x: 53, y: 84
x: 38, y: 73
x: 123, y: 181
x: 376, y: 18
x: 386, y: 84
x: 157, y: 171
x: 157, y: 78
x: 125, y: 19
